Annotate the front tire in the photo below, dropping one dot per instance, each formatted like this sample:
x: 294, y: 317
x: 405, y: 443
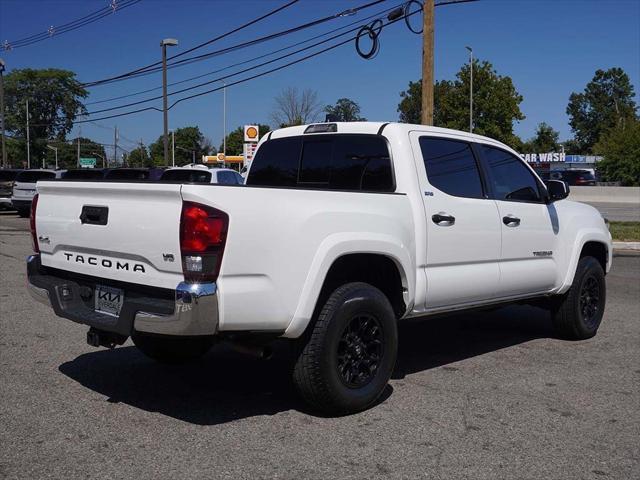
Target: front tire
x: 578, y: 313
x: 172, y: 350
x: 349, y: 357
x: 23, y: 212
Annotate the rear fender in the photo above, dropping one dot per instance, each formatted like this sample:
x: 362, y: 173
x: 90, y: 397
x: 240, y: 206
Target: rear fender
x: 338, y: 245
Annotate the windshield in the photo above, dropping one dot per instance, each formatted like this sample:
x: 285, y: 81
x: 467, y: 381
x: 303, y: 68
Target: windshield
x: 30, y: 176
x: 190, y: 176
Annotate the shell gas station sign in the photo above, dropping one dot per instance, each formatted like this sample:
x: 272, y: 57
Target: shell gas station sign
x: 251, y: 133
x: 251, y: 137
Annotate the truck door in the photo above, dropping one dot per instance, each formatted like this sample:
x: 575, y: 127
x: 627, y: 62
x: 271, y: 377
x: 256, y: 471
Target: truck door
x: 463, y: 226
x: 529, y: 226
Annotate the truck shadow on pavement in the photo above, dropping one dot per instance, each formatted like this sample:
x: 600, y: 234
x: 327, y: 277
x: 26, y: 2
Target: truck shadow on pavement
x: 227, y: 386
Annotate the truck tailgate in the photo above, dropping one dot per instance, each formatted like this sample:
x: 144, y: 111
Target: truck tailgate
x: 127, y: 232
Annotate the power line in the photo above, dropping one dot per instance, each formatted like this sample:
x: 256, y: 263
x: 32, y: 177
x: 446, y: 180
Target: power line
x: 118, y: 107
x: 261, y: 74
x: 152, y: 68
x: 70, y: 26
x: 288, y: 47
x: 158, y: 65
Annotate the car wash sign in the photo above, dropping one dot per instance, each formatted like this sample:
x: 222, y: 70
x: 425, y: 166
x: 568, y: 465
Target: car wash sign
x: 551, y: 157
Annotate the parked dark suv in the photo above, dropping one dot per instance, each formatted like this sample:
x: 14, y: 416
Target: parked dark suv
x: 577, y: 177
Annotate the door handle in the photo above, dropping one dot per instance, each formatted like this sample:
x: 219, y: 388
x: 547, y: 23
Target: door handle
x: 511, y: 221
x: 443, y: 219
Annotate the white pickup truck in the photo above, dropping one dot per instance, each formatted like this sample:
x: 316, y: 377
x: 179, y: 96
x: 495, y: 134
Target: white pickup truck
x: 341, y: 230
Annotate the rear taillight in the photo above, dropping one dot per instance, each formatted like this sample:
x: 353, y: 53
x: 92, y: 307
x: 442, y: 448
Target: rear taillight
x: 32, y: 224
x: 203, y: 233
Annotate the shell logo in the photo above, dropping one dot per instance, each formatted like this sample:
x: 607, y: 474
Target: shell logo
x: 252, y: 132
x: 221, y: 157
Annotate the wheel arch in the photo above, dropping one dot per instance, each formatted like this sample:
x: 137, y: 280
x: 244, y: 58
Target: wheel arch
x: 382, y: 264
x: 593, y: 245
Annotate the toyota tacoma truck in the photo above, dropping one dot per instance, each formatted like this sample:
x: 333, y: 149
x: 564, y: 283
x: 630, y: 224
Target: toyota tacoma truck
x: 341, y: 230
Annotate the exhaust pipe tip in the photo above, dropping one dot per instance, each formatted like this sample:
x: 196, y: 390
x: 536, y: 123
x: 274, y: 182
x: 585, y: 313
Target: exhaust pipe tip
x: 263, y: 352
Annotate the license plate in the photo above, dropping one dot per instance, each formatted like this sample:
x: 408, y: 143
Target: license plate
x: 109, y: 300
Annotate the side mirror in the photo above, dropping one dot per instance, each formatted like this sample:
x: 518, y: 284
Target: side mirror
x: 557, y: 190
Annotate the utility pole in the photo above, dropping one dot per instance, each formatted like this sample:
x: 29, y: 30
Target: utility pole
x: 79, y: 135
x: 471, y: 89
x: 141, y: 153
x: 167, y: 42
x: 427, y: 62
x: 173, y: 148
x: 28, y: 144
x: 4, y: 147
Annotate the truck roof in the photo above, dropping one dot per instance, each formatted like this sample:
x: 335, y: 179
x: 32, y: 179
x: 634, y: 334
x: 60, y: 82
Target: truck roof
x: 378, y: 128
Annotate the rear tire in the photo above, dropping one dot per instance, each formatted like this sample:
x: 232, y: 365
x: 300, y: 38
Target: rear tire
x: 173, y: 350
x: 578, y: 313
x: 349, y: 357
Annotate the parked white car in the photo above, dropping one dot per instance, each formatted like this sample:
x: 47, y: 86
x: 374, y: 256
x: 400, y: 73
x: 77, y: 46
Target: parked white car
x: 24, y: 187
x: 202, y: 175
x: 342, y: 230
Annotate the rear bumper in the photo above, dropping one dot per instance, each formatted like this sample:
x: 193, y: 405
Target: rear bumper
x: 191, y: 309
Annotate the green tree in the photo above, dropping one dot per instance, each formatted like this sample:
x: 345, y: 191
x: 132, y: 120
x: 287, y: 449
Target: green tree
x: 496, y: 103
x: 55, y: 99
x: 410, y: 106
x: 187, y: 140
x: 235, y: 139
x: 345, y: 110
x: 620, y: 148
x: 545, y: 140
x: 138, y: 157
x: 606, y: 102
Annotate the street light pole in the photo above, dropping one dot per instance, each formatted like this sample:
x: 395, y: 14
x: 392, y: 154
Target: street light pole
x: 167, y: 42
x: 224, y: 118
x: 28, y: 143
x: 4, y: 147
x: 471, y: 89
x: 55, y: 149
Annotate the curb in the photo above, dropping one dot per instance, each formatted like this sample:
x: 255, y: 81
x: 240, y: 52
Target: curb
x: 626, y: 246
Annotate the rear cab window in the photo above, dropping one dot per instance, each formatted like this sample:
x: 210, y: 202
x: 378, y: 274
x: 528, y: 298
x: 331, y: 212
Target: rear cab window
x: 351, y: 162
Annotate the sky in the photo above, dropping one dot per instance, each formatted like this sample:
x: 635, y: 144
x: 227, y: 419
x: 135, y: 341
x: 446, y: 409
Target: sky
x: 550, y: 48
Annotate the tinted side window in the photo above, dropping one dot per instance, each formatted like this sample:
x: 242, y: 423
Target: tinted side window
x: 276, y: 163
x: 510, y: 178
x: 239, y: 179
x: 451, y: 167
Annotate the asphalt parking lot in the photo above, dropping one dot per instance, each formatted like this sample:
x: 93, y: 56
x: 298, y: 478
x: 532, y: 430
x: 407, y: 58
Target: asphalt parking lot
x: 479, y: 396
